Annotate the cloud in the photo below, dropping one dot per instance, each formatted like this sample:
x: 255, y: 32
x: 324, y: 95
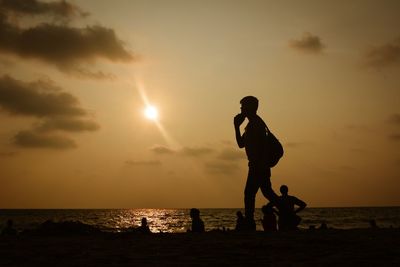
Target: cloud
x: 307, y: 43
x: 85, y: 73
x: 196, y: 151
x: 394, y: 119
x: 159, y: 149
x: 143, y: 162
x: 359, y: 128
x: 31, y: 139
x: 6, y: 63
x: 67, y: 124
x: 227, y: 142
x: 29, y: 99
x: 383, y: 56
x: 359, y: 150
x: 7, y: 154
x: 185, y: 151
x: 35, y: 8
x: 57, y: 111
x: 394, y: 137
x: 346, y: 168
x: 230, y: 154
x: 63, y: 46
x: 221, y: 167
x: 66, y: 47
x: 294, y: 144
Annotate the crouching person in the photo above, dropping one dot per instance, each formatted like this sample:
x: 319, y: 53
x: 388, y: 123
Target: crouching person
x: 269, y: 220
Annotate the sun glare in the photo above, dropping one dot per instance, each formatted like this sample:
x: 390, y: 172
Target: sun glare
x: 151, y: 113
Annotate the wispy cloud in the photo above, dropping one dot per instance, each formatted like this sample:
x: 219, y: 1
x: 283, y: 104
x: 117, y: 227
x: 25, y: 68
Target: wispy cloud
x: 394, y: 137
x: 308, y: 43
x: 221, y: 167
x: 294, y: 144
x: 162, y: 150
x: 31, y: 139
x: 231, y: 154
x: 383, y: 56
x: 184, y: 151
x: 196, y: 151
x: 143, y: 162
x: 61, y: 9
x: 8, y: 154
x: 358, y: 128
x: 67, y: 124
x: 394, y: 119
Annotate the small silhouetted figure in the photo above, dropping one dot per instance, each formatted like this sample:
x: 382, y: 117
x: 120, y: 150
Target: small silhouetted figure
x: 143, y: 228
x: 9, y: 230
x: 323, y: 226
x: 288, y: 218
x: 253, y: 140
x: 373, y: 224
x: 269, y: 219
x: 197, y: 223
x: 240, y: 221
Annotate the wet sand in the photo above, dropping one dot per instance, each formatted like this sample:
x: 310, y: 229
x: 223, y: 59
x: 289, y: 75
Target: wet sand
x: 363, y: 247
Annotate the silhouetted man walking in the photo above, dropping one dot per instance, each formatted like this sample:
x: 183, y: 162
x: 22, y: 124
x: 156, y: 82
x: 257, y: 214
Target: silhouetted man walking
x: 253, y: 140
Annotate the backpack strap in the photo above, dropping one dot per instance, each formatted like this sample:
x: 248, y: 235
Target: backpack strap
x: 265, y: 125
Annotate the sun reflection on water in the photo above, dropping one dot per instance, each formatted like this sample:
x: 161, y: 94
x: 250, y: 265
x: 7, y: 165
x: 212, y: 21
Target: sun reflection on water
x: 159, y: 220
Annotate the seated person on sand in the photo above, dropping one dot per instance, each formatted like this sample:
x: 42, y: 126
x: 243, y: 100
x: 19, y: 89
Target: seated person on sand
x: 197, y: 223
x: 269, y: 219
x: 143, y: 228
x: 288, y: 218
x: 9, y: 230
x: 240, y: 221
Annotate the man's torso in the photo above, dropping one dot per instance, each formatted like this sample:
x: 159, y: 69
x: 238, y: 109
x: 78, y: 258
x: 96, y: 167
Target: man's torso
x: 254, y: 138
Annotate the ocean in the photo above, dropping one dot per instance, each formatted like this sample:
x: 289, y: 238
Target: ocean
x: 178, y: 220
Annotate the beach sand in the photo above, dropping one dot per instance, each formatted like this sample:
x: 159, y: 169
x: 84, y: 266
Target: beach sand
x: 363, y: 247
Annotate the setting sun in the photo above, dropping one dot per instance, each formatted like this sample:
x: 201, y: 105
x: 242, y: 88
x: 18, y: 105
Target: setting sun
x: 151, y: 113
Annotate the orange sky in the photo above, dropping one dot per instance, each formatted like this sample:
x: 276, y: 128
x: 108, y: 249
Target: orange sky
x: 75, y: 78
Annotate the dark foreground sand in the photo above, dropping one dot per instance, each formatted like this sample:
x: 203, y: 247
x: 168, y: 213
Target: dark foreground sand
x: 362, y: 247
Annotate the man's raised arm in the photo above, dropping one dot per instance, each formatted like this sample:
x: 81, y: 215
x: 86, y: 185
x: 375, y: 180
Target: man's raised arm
x: 237, y: 121
x: 302, y: 205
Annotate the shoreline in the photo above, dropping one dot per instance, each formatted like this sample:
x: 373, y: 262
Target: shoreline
x: 332, y: 247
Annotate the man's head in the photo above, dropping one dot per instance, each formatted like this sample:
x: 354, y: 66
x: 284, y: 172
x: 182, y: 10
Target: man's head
x: 249, y: 105
x: 194, y: 213
x: 284, y: 190
x: 144, y: 221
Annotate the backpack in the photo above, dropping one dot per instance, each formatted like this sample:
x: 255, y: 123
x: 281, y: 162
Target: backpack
x: 273, y: 148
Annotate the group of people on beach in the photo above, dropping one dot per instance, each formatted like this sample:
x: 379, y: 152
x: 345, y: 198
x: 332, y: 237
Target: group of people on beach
x: 284, y: 206
x: 286, y: 210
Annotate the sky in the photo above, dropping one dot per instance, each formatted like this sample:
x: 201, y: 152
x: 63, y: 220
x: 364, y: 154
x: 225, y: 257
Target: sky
x: 76, y: 77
